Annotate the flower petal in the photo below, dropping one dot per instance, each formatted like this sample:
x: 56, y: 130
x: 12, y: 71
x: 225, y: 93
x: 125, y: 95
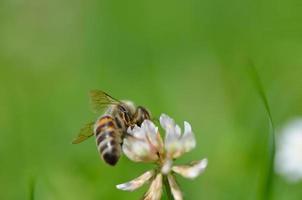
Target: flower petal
x: 137, y: 132
x: 192, y: 170
x: 176, y: 192
x: 174, y: 148
x: 155, y: 189
x: 149, y: 127
x: 172, y: 131
x: 188, y: 139
x: 172, y: 140
x: 166, y: 122
x: 152, y: 135
x: 139, y: 150
x: 136, y: 183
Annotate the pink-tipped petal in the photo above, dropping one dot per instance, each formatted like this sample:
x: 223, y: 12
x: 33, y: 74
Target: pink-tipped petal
x: 136, y: 183
x: 192, y: 170
x: 175, y: 190
x: 155, y: 189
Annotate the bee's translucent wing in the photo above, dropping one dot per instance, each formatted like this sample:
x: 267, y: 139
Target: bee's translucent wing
x: 100, y: 100
x: 85, y: 133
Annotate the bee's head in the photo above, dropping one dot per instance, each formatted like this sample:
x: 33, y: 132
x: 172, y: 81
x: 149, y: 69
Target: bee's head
x: 141, y: 114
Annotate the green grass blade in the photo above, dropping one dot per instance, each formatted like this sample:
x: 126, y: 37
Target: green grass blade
x: 268, y: 181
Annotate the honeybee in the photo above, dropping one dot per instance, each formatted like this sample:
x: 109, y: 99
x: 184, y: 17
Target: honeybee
x: 111, y: 127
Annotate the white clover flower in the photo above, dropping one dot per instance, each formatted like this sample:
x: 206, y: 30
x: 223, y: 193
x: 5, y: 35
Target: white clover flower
x: 288, y: 162
x: 144, y: 144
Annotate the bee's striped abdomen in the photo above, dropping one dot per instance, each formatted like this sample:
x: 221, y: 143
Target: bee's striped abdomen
x: 108, y: 139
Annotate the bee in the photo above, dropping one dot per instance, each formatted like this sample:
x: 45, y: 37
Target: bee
x: 111, y: 127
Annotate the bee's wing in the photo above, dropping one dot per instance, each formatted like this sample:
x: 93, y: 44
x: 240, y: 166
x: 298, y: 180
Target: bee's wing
x: 99, y: 100
x: 85, y: 132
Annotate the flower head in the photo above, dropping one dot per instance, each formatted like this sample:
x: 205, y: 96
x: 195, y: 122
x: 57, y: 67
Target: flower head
x: 144, y: 144
x: 289, y: 151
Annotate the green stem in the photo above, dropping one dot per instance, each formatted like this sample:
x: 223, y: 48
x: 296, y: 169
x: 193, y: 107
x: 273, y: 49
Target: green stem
x: 167, y: 188
x: 32, y: 188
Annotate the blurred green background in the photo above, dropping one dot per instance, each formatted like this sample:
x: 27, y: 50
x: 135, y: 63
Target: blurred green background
x: 184, y: 58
